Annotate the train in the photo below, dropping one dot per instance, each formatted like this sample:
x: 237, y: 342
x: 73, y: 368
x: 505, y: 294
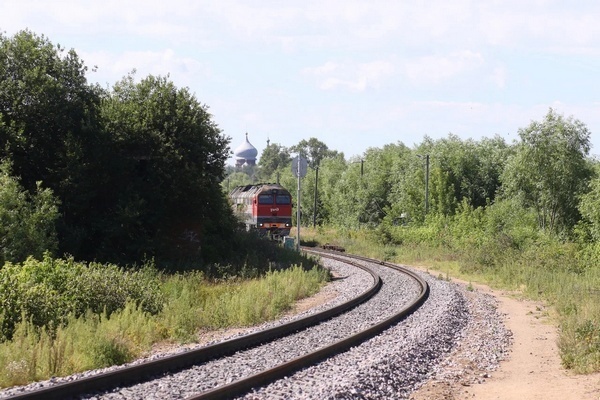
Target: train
x: 264, y: 207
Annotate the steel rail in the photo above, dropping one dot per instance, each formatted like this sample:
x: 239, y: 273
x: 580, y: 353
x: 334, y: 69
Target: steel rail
x: 265, y: 377
x: 133, y: 374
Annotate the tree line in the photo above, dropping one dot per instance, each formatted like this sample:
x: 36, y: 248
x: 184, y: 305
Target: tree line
x: 118, y: 174
x: 132, y: 172
x: 547, y: 173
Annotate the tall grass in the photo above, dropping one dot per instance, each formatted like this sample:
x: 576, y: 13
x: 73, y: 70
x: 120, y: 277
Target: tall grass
x: 191, y: 304
x: 195, y: 304
x: 85, y: 342
x: 536, y: 265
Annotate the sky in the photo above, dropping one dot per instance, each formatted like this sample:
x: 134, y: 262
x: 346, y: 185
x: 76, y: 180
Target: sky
x: 353, y: 74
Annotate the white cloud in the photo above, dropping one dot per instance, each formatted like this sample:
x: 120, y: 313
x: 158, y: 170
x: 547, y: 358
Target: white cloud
x: 353, y: 77
x: 435, y: 69
x: 327, y: 68
x: 111, y: 67
x: 335, y: 24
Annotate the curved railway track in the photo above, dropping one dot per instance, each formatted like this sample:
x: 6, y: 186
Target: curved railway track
x: 141, y: 372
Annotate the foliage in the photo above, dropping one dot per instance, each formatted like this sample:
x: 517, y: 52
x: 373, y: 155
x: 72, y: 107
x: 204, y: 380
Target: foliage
x: 331, y: 171
x: 459, y: 171
x: 191, y: 305
x: 50, y: 129
x: 314, y: 150
x: 588, y: 227
x: 171, y: 158
x: 83, y: 343
x: 27, y: 222
x: 549, y: 170
x: 253, y: 257
x: 273, y: 158
x: 195, y: 305
x: 136, y: 169
x: 472, y: 169
x: 235, y: 179
x: 46, y: 292
x: 48, y: 112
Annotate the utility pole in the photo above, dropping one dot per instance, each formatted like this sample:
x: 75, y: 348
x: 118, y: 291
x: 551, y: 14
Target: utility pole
x: 315, y: 205
x: 426, y: 183
x: 299, y: 165
x: 298, y: 173
x: 426, y: 156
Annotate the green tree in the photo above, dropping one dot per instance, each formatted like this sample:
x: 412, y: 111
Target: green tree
x: 171, y: 158
x: 549, y: 170
x: 273, y: 158
x: 589, y: 205
x: 472, y: 168
x: 314, y: 150
x: 331, y: 171
x: 47, y: 110
x: 50, y: 129
x: 27, y: 222
x: 460, y: 172
x: 407, y: 194
x: 235, y: 178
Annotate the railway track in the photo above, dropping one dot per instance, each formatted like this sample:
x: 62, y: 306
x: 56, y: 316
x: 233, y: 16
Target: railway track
x: 239, y: 385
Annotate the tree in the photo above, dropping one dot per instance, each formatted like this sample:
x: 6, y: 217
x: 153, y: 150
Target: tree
x: 466, y: 170
x: 137, y: 169
x: 171, y: 158
x: 331, y: 171
x: 235, y: 178
x: 50, y: 129
x: 273, y: 157
x: 27, y: 222
x: 47, y: 109
x: 549, y: 170
x: 314, y: 150
x: 589, y: 205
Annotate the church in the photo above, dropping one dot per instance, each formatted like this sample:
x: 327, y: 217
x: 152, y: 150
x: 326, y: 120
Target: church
x: 245, y: 154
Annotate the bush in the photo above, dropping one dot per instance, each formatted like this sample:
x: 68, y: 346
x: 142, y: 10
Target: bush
x: 27, y: 222
x: 47, y: 292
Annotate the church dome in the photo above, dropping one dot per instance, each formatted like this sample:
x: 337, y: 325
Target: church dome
x: 245, y: 153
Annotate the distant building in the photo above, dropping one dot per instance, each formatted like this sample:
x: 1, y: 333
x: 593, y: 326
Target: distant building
x: 245, y: 154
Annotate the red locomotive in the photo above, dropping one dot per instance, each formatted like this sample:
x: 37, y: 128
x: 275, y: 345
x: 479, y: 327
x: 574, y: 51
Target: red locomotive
x: 266, y: 207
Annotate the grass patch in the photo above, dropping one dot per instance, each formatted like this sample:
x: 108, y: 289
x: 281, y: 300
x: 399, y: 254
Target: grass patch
x: 543, y: 269
x: 191, y: 303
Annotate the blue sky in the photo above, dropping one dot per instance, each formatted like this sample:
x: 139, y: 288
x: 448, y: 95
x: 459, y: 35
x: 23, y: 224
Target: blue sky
x: 354, y: 74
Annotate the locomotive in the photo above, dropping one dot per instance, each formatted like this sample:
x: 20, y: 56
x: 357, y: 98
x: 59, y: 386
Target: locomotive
x: 266, y: 207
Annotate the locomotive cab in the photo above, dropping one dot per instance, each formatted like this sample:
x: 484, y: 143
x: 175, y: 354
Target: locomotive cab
x: 264, y: 207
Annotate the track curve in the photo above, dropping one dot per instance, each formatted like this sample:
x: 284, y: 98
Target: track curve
x: 243, y: 385
x: 140, y: 372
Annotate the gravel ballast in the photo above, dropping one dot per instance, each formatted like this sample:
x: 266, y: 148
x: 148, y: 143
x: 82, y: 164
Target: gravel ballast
x: 457, y: 336
x: 390, y: 365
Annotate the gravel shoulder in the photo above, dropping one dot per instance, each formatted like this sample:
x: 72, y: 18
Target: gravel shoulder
x: 506, y: 350
x: 531, y: 371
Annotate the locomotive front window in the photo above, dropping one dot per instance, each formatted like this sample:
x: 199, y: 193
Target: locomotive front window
x: 265, y: 199
x: 283, y: 199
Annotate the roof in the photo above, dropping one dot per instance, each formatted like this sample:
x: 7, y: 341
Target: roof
x: 246, y: 151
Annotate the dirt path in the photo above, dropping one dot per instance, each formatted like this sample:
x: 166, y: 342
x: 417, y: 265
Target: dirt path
x: 533, y: 370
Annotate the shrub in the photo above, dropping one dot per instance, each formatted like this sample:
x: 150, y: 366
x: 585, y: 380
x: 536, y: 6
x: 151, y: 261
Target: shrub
x: 47, y: 291
x: 27, y: 222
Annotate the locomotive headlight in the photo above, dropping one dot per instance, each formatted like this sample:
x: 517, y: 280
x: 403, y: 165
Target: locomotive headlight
x: 261, y: 224
x: 288, y: 224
